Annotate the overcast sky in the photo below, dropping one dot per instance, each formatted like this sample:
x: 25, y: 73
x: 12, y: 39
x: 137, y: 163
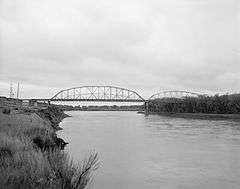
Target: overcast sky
x: 143, y: 45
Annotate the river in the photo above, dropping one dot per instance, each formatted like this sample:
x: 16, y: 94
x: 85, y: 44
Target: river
x: 156, y: 152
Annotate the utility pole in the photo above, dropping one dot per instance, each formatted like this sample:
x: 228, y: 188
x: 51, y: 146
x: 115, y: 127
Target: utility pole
x: 18, y: 91
x: 11, y: 94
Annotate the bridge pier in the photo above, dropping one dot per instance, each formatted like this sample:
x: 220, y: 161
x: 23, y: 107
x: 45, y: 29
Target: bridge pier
x: 146, y: 107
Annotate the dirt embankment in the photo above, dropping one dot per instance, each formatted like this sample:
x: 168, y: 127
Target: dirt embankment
x: 52, y: 114
x: 31, y: 154
x: 42, y: 124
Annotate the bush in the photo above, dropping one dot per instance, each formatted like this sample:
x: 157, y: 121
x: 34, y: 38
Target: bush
x: 23, y: 166
x: 224, y: 104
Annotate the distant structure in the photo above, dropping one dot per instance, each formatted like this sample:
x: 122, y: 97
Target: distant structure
x: 97, y: 93
x: 11, y: 93
x: 111, y: 94
x: 18, y: 90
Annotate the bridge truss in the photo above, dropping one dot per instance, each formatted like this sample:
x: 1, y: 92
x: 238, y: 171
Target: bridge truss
x: 98, y: 93
x: 113, y: 94
x: 173, y: 94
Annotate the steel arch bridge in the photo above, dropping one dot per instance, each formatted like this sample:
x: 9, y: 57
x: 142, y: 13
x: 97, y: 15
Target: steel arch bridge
x: 112, y: 94
x: 98, y: 94
x: 173, y: 94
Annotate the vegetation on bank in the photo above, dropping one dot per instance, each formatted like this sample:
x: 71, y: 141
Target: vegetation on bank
x: 218, y: 104
x: 31, y: 155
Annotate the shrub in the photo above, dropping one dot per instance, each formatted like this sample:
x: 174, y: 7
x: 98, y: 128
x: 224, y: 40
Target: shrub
x: 23, y: 166
x: 224, y: 104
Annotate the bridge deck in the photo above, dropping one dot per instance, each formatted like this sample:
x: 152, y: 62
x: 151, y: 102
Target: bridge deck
x: 87, y: 100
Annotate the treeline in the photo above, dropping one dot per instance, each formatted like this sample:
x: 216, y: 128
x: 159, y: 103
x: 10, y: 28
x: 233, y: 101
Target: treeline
x: 218, y: 104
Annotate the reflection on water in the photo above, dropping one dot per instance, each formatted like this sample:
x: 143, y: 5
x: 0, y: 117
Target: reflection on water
x: 139, y: 152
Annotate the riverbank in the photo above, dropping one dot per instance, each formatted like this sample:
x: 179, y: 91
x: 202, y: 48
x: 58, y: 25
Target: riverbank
x: 197, y: 115
x: 31, y: 154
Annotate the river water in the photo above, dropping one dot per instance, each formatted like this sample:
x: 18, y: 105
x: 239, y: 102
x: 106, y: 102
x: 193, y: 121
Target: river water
x: 156, y: 152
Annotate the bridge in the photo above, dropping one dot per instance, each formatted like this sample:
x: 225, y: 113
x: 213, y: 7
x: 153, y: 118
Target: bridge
x: 96, y: 94
x: 172, y: 97
x: 174, y: 94
x: 110, y: 94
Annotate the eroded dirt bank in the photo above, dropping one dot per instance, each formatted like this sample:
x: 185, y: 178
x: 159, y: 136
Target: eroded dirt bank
x: 44, y: 121
x: 31, y: 154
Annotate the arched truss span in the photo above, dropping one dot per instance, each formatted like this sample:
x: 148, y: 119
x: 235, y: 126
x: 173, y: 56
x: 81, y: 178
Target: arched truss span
x: 98, y: 93
x: 174, y: 94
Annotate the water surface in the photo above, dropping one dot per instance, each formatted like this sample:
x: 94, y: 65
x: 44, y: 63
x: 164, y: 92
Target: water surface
x: 153, y: 152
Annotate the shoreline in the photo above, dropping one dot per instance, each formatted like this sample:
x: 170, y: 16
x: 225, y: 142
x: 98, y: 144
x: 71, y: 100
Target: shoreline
x: 196, y: 115
x: 176, y: 115
x: 40, y: 124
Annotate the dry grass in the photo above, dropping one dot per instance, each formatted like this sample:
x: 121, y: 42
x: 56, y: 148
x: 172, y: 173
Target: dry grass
x: 24, y: 166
